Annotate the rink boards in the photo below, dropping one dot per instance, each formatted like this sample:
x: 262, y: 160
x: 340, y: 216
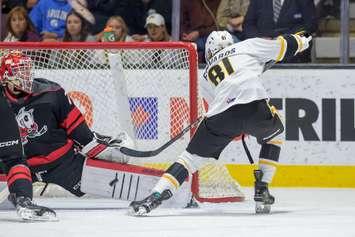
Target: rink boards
x: 317, y: 106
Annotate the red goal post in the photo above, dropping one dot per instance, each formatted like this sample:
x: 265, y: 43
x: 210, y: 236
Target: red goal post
x: 148, y: 89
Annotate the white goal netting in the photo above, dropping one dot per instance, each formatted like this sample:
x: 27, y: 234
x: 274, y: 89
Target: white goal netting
x: 147, y: 89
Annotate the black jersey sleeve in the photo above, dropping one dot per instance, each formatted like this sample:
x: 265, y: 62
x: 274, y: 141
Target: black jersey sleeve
x: 72, y: 120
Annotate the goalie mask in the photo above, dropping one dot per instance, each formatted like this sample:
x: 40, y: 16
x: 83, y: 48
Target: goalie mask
x: 16, y: 71
x: 216, y: 41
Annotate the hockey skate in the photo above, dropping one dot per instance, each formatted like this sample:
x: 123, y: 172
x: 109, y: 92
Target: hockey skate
x: 141, y: 208
x: 29, y: 211
x: 263, y: 199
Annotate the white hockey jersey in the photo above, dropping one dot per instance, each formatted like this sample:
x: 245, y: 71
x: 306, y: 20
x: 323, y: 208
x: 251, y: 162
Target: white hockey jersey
x: 234, y: 72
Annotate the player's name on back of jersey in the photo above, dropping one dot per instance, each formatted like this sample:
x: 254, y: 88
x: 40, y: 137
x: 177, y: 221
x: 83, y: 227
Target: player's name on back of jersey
x: 223, y: 54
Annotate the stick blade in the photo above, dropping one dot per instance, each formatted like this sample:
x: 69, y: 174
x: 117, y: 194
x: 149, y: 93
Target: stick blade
x: 135, y: 153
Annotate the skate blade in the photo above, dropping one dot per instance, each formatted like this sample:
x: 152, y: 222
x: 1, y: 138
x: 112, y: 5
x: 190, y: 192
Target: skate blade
x: 261, y: 208
x: 141, y: 211
x: 33, y: 216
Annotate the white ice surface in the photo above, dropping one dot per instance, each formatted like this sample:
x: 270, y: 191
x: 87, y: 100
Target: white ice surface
x: 297, y: 213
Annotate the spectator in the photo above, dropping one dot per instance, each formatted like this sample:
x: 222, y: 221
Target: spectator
x: 198, y: 20
x: 8, y: 5
x: 328, y: 9
x: 230, y: 17
x: 156, y: 28
x: 136, y: 11
x: 163, y: 7
x: 20, y: 27
x: 103, y: 10
x: 119, y: 27
x: 81, y: 7
x: 49, y: 18
x: 76, y: 29
x: 289, y: 16
x: 30, y: 4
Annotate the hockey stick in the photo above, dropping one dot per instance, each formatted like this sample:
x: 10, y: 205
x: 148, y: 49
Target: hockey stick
x: 136, y: 153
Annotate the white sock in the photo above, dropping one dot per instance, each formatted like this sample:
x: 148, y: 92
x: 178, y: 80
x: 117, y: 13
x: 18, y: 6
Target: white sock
x: 268, y: 168
x: 167, y: 181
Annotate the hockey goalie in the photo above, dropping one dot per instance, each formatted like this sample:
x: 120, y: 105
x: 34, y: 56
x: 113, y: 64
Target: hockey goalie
x: 55, y: 145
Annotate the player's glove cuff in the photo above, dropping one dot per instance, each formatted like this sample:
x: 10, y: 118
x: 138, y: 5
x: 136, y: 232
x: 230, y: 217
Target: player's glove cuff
x: 108, y: 148
x: 302, y: 41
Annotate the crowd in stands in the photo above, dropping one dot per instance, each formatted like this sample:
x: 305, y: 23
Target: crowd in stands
x: 151, y: 20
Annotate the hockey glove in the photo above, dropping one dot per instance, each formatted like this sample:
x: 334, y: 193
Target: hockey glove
x: 108, y: 148
x: 303, y: 41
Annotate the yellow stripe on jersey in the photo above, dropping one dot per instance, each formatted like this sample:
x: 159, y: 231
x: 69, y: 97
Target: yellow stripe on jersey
x: 171, y: 179
x: 282, y: 49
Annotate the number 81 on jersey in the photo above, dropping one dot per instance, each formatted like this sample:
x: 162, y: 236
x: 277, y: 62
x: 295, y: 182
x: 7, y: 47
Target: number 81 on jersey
x: 220, y: 71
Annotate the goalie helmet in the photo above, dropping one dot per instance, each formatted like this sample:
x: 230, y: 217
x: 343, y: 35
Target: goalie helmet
x: 216, y: 41
x: 15, y: 69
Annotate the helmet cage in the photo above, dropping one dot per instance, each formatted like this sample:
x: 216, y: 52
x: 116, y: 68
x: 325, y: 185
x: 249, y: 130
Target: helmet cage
x: 17, y: 72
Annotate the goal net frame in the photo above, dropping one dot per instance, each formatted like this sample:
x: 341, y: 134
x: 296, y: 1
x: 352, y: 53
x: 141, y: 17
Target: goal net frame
x: 195, y: 103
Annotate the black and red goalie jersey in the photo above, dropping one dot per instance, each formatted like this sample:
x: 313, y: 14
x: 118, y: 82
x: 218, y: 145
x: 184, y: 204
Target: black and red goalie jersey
x: 50, y: 124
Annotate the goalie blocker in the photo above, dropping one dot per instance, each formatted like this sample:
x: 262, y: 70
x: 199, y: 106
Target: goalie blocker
x: 108, y: 148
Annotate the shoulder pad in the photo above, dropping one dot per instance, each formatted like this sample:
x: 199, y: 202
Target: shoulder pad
x: 41, y: 85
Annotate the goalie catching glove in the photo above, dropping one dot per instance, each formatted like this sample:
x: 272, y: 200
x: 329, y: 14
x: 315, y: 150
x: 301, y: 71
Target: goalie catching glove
x: 108, y: 148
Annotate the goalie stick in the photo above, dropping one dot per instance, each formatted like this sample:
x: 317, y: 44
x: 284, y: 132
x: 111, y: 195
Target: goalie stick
x: 136, y: 153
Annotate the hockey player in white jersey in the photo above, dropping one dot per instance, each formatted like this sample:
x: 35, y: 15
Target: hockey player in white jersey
x: 240, y: 106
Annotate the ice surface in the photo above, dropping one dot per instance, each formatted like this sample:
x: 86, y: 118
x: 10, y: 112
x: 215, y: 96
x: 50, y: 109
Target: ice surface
x: 297, y: 213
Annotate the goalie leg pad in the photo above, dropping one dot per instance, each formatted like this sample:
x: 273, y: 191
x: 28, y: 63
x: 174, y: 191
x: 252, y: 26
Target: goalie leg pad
x: 126, y: 182
x: 117, y: 181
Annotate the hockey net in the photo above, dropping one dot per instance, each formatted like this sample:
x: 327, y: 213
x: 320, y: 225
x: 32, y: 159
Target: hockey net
x: 149, y: 90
